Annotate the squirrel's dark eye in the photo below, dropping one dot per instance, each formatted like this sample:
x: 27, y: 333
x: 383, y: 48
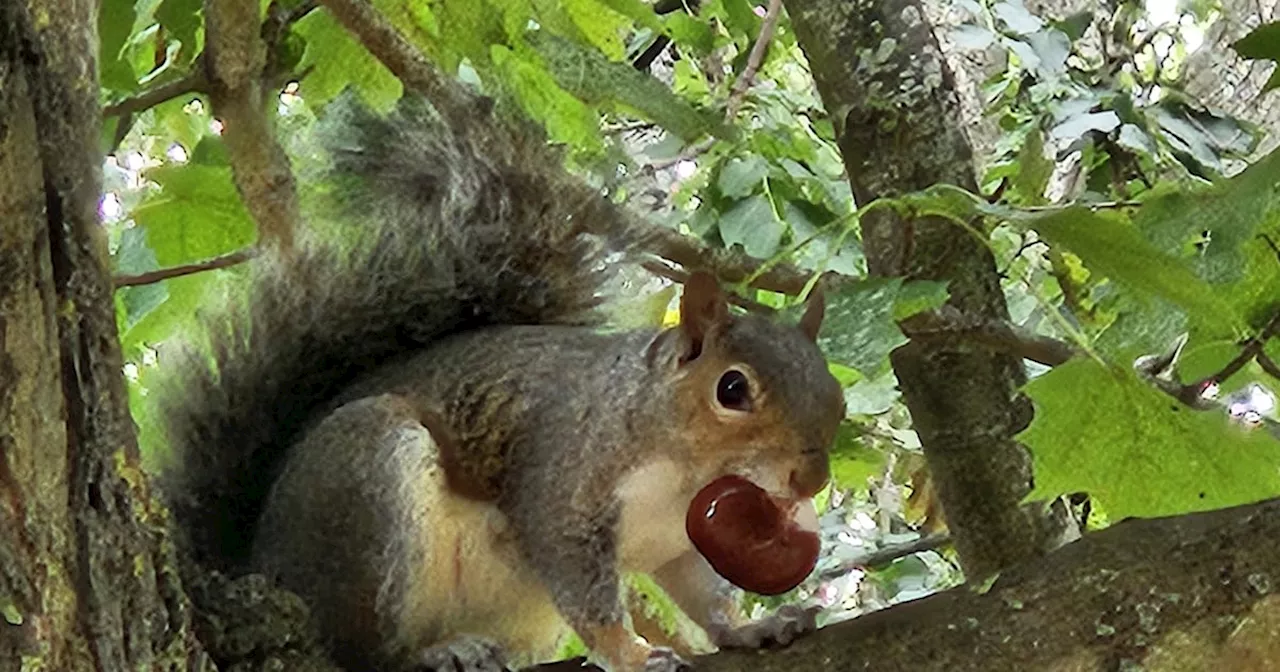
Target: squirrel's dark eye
x: 734, y: 391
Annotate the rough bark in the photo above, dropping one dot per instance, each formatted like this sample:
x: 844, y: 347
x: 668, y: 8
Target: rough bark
x: 86, y: 575
x: 1188, y: 593
x: 235, y: 58
x: 892, y: 99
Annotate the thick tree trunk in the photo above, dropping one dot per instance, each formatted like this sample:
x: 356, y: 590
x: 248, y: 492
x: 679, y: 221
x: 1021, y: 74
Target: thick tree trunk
x: 87, y: 580
x: 892, y: 99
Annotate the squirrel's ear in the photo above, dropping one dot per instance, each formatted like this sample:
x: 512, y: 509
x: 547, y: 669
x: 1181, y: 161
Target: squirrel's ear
x: 702, y: 305
x: 815, y: 309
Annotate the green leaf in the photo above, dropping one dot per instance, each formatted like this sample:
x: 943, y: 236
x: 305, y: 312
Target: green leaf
x: 740, y: 176
x: 197, y: 215
x: 337, y: 61
x: 1231, y: 211
x: 872, y: 397
x: 566, y: 118
x: 637, y: 11
x: 176, y: 121
x: 752, y: 224
x: 134, y: 257
x: 741, y: 18
x: 919, y: 296
x: 643, y: 312
x: 970, y: 36
x: 690, y: 33
x: 596, y: 80
x: 859, y: 330
x: 1141, y: 453
x: 115, y: 25
x: 853, y: 460
x: 601, y: 26
x: 1262, y: 42
x: 1052, y: 48
x: 1140, y: 328
x: 1034, y: 168
x: 182, y: 19
x: 1075, y: 25
x: 1109, y: 244
x: 1016, y: 17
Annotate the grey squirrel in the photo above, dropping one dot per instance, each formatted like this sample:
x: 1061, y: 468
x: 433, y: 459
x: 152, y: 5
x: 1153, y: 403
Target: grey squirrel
x: 430, y: 436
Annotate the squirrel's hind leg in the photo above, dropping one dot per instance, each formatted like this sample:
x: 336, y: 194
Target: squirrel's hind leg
x: 394, y: 566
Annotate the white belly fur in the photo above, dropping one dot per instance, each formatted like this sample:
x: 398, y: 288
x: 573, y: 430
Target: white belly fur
x: 489, y: 592
x: 654, y: 498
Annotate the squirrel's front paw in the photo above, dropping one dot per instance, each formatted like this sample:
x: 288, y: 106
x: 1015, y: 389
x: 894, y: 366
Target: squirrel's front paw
x: 463, y: 654
x: 778, y: 629
x: 662, y: 659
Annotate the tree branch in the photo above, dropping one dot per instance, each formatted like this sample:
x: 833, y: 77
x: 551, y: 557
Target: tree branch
x: 406, y: 62
x: 947, y: 324
x: 884, y: 556
x: 192, y: 83
x: 662, y: 7
x: 739, y: 92
x: 895, y: 118
x: 1268, y: 365
x: 403, y: 59
x: 1252, y: 348
x: 754, y: 59
x: 1140, y: 591
x: 729, y: 265
x: 151, y: 277
x: 235, y: 63
x: 678, y: 276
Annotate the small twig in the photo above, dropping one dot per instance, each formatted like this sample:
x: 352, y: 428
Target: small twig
x: 685, y: 155
x: 277, y: 25
x: 152, y: 277
x: 730, y: 265
x: 1252, y: 348
x: 192, y: 83
x: 998, y: 193
x: 680, y: 277
x: 1102, y: 205
x: 947, y: 324
x: 629, y: 127
x: 1268, y: 365
x: 1025, y: 245
x: 646, y: 59
x: 754, y: 59
x: 650, y: 54
x: 579, y: 664
x: 739, y: 92
x: 301, y: 11
x: 888, y: 554
x: 1270, y: 243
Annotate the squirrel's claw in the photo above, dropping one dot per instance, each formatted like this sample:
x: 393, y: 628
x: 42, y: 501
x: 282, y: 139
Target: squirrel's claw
x: 778, y: 629
x: 463, y: 654
x: 662, y: 659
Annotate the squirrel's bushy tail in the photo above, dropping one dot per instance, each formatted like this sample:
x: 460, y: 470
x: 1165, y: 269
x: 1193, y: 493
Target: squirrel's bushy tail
x: 455, y: 228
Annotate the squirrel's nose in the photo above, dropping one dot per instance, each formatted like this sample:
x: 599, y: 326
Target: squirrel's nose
x: 811, y: 477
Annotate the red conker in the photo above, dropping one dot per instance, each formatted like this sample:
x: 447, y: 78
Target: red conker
x: 750, y: 538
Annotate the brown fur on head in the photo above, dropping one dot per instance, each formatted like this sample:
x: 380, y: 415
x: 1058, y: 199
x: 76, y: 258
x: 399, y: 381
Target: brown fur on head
x: 756, y: 397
